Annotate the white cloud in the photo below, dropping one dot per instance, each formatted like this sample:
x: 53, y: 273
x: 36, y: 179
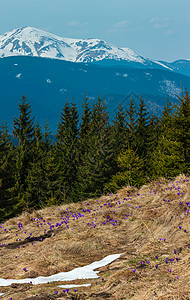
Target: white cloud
x: 76, y: 24
x: 169, y: 32
x: 121, y: 24
x: 153, y: 20
x: 73, y: 23
x: 159, y: 20
x: 160, y: 23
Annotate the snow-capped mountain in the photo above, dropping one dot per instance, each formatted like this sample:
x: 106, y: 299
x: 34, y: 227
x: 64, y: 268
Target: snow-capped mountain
x: 29, y: 41
x: 181, y: 66
x: 77, y: 67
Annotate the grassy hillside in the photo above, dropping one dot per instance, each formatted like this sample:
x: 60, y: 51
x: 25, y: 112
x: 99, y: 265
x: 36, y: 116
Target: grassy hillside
x: 149, y: 226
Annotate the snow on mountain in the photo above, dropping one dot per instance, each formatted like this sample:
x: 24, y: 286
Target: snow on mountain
x: 163, y: 65
x: 29, y: 41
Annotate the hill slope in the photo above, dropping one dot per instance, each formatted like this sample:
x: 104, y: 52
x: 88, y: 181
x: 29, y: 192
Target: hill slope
x: 150, y: 227
x: 48, y: 83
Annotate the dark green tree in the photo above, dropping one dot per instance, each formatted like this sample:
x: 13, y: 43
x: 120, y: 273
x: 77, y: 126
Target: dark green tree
x: 85, y: 128
x: 153, y: 135
x: 55, y: 192
x: 67, y: 151
x: 7, y: 167
x: 142, y: 129
x: 46, y: 138
x: 182, y: 122
x: 23, y: 127
x: 36, y: 179
x: 23, y: 130
x: 132, y: 123
x: 165, y: 159
x: 130, y: 173
x: 119, y: 131
x: 97, y: 165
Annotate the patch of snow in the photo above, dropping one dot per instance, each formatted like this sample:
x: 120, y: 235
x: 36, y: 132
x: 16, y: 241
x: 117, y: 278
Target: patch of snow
x: 63, y: 90
x: 18, y: 75
x: 169, y: 87
x: 86, y: 272
x: 83, y: 70
x: 161, y: 64
x: 148, y: 75
x: 29, y: 41
x: 122, y: 75
x: 70, y: 286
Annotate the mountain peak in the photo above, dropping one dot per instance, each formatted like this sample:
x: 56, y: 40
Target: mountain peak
x: 30, y: 41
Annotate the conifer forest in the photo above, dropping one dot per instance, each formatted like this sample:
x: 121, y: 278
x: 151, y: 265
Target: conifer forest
x: 92, y: 155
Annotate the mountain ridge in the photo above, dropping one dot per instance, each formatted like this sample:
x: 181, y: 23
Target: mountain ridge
x: 47, y: 83
x: 29, y: 41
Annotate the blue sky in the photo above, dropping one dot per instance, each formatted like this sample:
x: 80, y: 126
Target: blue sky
x: 157, y: 29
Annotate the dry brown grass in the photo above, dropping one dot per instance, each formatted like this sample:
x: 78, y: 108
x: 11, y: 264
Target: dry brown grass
x: 152, y: 229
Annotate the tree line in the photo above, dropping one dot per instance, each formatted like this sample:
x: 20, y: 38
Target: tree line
x: 91, y: 156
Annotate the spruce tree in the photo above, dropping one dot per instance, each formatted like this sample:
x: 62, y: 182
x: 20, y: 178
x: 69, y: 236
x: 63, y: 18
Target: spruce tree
x: 119, y: 131
x: 182, y: 122
x: 130, y: 173
x: 142, y: 129
x: 23, y: 127
x: 55, y: 192
x: 36, y: 180
x: 85, y: 128
x: 132, y: 123
x: 98, y: 166
x: 23, y: 130
x: 84, y: 148
x: 153, y: 135
x: 67, y: 151
x: 166, y: 160
x: 46, y: 138
x: 7, y: 168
